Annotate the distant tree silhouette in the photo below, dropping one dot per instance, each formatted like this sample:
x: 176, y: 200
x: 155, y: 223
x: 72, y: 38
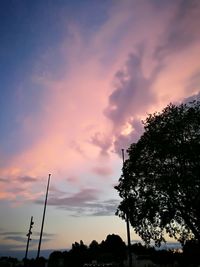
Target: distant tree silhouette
x: 113, y: 249
x: 139, y: 249
x: 94, y: 250
x: 8, y: 261
x: 39, y: 262
x: 191, y: 253
x: 160, y: 184
x: 56, y: 259
x: 78, y: 255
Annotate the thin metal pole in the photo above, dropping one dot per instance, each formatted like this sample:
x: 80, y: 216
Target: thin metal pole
x: 29, y: 238
x: 45, y: 204
x: 127, y: 226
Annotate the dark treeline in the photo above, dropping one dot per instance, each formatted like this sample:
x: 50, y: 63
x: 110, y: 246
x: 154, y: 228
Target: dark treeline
x: 113, y: 252
x: 113, y: 249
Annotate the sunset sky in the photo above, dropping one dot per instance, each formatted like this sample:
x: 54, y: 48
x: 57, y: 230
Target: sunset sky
x: 76, y: 79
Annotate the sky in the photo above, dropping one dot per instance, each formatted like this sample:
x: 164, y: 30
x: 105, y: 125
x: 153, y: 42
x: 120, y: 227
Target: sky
x: 76, y: 80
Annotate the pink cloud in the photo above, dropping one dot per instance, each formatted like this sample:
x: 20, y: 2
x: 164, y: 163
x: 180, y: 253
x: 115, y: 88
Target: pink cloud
x: 102, y: 170
x: 108, y: 83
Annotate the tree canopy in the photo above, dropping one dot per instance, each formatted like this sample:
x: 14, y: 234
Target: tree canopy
x: 160, y: 184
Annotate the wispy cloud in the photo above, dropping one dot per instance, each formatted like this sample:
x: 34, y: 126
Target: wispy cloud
x: 16, y: 188
x: 10, y: 247
x: 77, y: 199
x: 102, y: 170
x: 85, y: 202
x: 26, y: 179
x: 97, y: 208
x: 19, y: 239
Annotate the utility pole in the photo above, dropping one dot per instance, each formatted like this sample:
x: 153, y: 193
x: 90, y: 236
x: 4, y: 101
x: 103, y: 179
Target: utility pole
x: 45, y: 204
x: 127, y: 225
x: 28, y: 240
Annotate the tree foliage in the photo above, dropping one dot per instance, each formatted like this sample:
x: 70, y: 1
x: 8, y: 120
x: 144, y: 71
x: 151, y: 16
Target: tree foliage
x: 160, y: 184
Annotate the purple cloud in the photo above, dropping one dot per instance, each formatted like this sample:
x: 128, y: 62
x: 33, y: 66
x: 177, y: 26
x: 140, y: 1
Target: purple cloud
x: 102, y: 170
x: 131, y: 98
x: 194, y: 82
x: 182, y: 30
x: 78, y: 199
x: 133, y: 90
x: 26, y: 179
x: 97, y: 208
x: 102, y: 142
x: 85, y: 202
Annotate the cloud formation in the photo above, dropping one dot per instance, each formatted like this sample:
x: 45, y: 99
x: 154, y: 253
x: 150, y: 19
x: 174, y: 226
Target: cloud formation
x: 85, y: 202
x: 142, y: 56
x: 102, y: 170
x: 17, y: 240
x: 93, y: 72
x: 141, y: 87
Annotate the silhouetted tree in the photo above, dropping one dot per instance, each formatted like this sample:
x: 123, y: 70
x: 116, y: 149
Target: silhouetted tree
x: 94, y: 250
x: 160, y: 185
x: 191, y: 253
x: 56, y: 259
x: 78, y: 255
x: 40, y: 262
x: 113, y: 248
x: 8, y: 261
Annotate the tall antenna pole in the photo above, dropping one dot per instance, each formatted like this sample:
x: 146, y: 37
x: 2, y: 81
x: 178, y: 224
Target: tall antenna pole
x: 29, y: 238
x: 127, y: 225
x: 45, y: 204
